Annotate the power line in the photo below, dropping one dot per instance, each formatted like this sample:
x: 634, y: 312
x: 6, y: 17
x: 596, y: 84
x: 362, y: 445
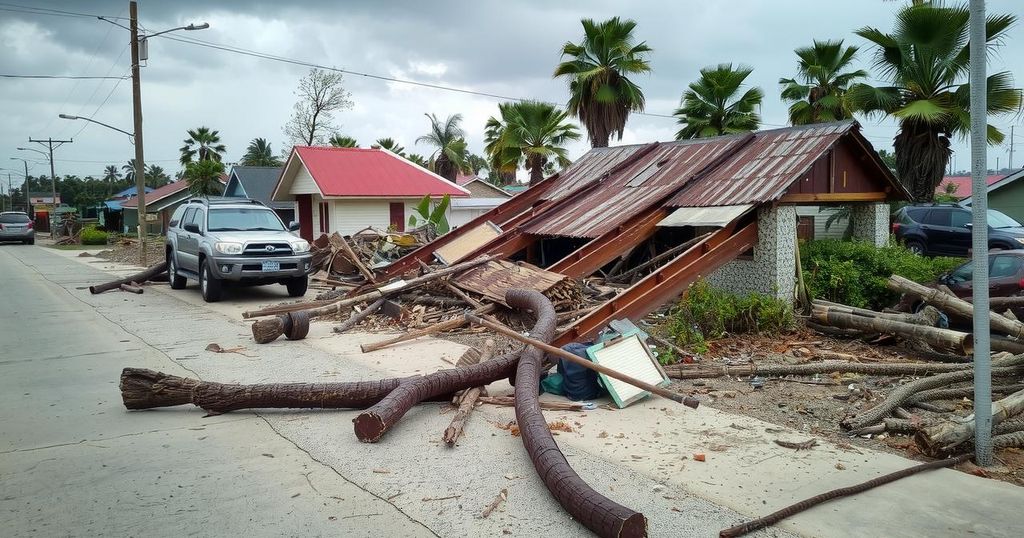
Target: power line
x: 66, y: 77
x: 48, y: 11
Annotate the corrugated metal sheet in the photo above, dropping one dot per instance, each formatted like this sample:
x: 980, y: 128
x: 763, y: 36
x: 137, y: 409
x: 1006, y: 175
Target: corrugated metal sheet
x: 717, y: 216
x: 765, y: 168
x: 589, y: 168
x: 613, y: 202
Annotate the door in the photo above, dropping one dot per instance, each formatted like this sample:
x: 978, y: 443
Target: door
x: 397, y: 216
x: 188, y: 242
x: 805, y: 228
x: 960, y: 230
x: 1005, y: 275
x: 305, y: 203
x: 325, y: 217
x: 942, y: 237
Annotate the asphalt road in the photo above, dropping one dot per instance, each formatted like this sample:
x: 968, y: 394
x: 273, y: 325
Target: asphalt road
x: 73, y: 461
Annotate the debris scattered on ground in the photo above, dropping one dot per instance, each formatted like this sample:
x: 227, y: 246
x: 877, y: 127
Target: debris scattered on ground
x: 502, y: 495
x: 798, y: 446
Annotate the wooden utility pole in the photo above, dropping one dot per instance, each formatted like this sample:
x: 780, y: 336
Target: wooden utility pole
x: 49, y: 144
x: 140, y: 165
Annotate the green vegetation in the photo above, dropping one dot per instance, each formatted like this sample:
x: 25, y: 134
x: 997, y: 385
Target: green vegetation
x: 91, y: 236
x: 259, y: 154
x: 424, y: 215
x: 705, y: 313
x: 854, y: 272
x: 204, y: 177
x: 530, y: 132
x: 818, y: 93
x: 449, y: 141
x: 342, y: 141
x: 711, y: 107
x: 202, y: 144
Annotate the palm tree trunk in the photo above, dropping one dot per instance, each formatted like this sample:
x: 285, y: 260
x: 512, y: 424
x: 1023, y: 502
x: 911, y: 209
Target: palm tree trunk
x: 444, y: 167
x: 536, y: 165
x: 922, y: 153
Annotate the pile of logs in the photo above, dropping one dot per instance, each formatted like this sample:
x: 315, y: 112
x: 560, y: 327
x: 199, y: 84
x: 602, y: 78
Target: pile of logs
x: 132, y: 284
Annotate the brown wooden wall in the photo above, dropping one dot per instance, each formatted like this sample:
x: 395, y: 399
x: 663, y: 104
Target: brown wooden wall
x: 845, y: 169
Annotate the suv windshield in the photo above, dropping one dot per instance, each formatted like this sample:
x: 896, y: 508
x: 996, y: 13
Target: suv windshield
x: 1001, y: 220
x: 12, y: 218
x: 243, y: 220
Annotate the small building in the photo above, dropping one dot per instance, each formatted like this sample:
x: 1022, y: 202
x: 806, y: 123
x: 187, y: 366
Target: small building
x: 345, y: 190
x: 109, y: 212
x: 160, y: 205
x: 483, y: 197
x: 257, y: 183
x: 1005, y: 194
x: 960, y: 186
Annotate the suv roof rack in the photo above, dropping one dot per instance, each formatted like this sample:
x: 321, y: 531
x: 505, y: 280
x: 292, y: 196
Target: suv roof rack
x: 223, y: 200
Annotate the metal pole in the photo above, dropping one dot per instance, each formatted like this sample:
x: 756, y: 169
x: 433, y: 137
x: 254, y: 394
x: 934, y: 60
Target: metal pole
x: 1011, y: 147
x: 979, y: 233
x: 28, y: 200
x: 140, y: 167
x: 53, y: 192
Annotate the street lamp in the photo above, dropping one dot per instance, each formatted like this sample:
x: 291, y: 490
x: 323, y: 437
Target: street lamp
x: 28, y: 203
x: 83, y: 118
x: 140, y: 167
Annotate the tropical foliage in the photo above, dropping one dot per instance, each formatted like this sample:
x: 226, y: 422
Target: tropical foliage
x: 204, y: 177
x: 202, y: 144
x: 925, y: 63
x: 111, y: 174
x: 391, y: 145
x: 425, y: 215
x: 819, y: 92
x: 342, y: 141
x: 259, y: 154
x: 129, y: 170
x: 156, y: 177
x: 598, y: 68
x: 418, y: 159
x: 448, y: 140
x: 530, y: 132
x: 711, y: 106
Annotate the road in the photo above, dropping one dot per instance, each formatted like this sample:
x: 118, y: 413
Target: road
x: 73, y: 461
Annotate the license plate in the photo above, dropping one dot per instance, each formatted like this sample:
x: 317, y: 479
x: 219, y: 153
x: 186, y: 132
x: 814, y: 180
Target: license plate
x: 271, y: 266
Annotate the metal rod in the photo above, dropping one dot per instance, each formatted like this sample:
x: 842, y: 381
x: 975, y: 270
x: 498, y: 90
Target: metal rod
x: 563, y: 354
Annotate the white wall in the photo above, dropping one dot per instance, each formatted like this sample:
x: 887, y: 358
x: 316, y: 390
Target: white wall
x: 304, y: 183
x: 821, y: 215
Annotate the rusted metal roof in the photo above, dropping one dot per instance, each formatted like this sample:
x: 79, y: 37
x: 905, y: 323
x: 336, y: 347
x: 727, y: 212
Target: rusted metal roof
x: 765, y: 168
x: 496, y: 277
x: 589, y: 168
x: 635, y: 187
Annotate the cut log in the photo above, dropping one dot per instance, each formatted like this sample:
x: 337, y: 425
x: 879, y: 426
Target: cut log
x: 466, y: 402
x: 447, y: 325
x: 598, y: 513
x: 142, y: 276
x: 373, y: 423
x: 928, y: 316
x: 959, y: 342
x: 954, y: 304
x: 1000, y: 303
x: 946, y: 436
x: 131, y: 288
x: 357, y: 317
x: 509, y: 401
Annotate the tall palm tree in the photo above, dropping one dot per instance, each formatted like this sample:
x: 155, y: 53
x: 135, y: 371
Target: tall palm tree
x: 711, y: 106
x: 129, y: 170
x: 259, y: 153
x: 203, y: 177
x: 601, y: 94
x: 448, y: 139
x: 925, y: 61
x: 202, y: 144
x: 156, y: 177
x: 391, y: 145
x: 418, y: 159
x: 342, y: 141
x: 532, y: 132
x: 111, y: 173
x: 819, y: 91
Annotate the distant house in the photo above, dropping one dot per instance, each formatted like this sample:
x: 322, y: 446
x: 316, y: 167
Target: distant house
x: 347, y: 189
x: 111, y: 214
x: 1006, y: 194
x: 483, y: 197
x: 160, y: 204
x: 257, y: 183
x: 961, y: 185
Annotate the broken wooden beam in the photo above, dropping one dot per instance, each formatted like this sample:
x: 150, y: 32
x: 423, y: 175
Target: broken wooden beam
x: 956, y: 341
x: 142, y: 276
x: 446, y: 325
x: 357, y: 317
x: 466, y: 402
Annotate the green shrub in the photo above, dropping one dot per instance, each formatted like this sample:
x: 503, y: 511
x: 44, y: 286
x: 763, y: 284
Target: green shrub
x: 706, y: 313
x: 91, y: 236
x: 854, y: 272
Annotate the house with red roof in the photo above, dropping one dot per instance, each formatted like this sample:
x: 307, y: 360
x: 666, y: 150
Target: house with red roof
x: 960, y: 186
x: 345, y: 190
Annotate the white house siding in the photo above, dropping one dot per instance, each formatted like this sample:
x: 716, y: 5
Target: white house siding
x: 821, y: 215
x: 461, y: 216
x: 304, y: 183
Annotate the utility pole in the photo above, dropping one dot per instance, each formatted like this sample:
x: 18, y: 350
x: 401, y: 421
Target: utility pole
x: 10, y: 190
x: 979, y: 236
x: 140, y: 166
x: 49, y: 144
x: 1011, y: 147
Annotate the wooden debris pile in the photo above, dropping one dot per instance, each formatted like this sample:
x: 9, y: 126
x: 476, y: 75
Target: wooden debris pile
x: 349, y: 261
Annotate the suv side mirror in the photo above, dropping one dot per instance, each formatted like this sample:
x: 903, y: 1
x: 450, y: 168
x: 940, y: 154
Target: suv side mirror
x: 192, y: 227
x: 293, y: 226
x: 968, y: 225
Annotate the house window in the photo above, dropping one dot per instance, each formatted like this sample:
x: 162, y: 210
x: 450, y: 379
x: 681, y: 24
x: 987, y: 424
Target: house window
x: 397, y: 211
x: 805, y: 228
x: 325, y: 217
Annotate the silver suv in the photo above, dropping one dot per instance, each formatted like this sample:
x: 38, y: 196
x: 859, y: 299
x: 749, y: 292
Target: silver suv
x: 213, y: 240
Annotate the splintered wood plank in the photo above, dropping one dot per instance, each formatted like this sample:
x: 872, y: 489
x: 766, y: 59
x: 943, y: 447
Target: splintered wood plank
x: 495, y: 277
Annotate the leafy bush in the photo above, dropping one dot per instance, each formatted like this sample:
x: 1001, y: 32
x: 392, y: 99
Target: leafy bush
x: 854, y: 272
x: 91, y: 236
x: 706, y: 313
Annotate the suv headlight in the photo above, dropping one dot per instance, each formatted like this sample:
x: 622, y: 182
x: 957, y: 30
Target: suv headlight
x: 300, y: 246
x: 227, y: 247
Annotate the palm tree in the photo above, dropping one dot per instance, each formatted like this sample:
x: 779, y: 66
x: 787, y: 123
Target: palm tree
x: 711, y: 107
x: 156, y: 177
x: 111, y: 173
x: 129, y: 170
x: 532, y: 132
x: 202, y: 144
x: 203, y: 177
x: 259, y: 154
x: 501, y: 161
x: 342, y: 141
x: 925, y: 61
x: 449, y: 140
x: 418, y: 160
x: 391, y: 145
x: 600, y: 93
x: 819, y: 92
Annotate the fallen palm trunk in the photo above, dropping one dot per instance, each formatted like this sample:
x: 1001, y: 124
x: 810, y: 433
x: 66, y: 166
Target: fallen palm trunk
x: 595, y: 511
x: 959, y: 342
x: 963, y: 392
x: 1009, y: 345
x: 131, y: 288
x: 999, y: 303
x: 946, y: 436
x: 467, y: 401
x: 954, y: 304
x: 373, y: 423
x: 146, y: 389
x: 892, y: 425
x: 355, y: 318
x: 447, y: 325
x: 828, y: 367
x: 140, y: 277
x: 928, y: 316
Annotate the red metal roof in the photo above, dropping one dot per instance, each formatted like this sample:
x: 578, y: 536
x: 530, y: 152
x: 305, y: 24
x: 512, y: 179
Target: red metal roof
x: 158, y: 194
x: 963, y: 184
x: 765, y: 168
x: 370, y: 172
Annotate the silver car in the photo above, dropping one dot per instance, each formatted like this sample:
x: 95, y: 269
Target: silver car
x: 17, y: 226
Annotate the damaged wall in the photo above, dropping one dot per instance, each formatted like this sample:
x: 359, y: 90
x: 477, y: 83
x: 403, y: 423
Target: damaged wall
x: 772, y: 269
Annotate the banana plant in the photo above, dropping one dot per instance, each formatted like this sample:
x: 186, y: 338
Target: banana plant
x: 424, y: 214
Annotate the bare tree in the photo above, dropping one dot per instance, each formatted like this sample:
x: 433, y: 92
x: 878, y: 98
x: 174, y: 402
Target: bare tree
x: 320, y: 95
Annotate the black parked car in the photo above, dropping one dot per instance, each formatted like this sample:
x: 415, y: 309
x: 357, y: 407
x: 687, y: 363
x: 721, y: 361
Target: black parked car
x: 945, y: 230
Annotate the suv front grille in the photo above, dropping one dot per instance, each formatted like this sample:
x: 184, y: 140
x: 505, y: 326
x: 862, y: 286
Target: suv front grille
x: 267, y: 249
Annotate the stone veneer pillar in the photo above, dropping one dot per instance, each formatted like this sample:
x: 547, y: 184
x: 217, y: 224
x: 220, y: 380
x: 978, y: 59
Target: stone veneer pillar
x: 871, y: 222
x: 772, y: 270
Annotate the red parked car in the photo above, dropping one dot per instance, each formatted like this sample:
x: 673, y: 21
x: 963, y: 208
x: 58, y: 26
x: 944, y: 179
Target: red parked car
x: 1005, y: 279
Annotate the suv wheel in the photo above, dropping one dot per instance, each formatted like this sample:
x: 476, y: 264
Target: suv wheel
x: 915, y: 246
x: 297, y: 286
x: 211, y: 286
x: 177, y: 281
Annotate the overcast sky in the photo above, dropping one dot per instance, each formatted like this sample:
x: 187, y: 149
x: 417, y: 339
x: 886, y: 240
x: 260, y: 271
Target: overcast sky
x: 505, y: 48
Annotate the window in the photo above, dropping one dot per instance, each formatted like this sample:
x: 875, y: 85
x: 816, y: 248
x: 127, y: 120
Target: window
x: 176, y: 217
x: 1005, y: 266
x: 964, y: 273
x: 937, y: 217
x: 960, y: 219
x: 14, y: 218
x: 187, y: 217
x: 198, y: 216
x: 998, y: 220
x: 325, y: 217
x: 915, y: 214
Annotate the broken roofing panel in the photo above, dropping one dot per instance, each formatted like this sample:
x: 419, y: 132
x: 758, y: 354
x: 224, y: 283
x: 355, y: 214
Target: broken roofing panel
x: 589, y: 168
